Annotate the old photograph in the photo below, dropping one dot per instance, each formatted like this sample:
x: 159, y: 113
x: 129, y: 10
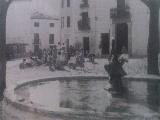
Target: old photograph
x: 79, y: 60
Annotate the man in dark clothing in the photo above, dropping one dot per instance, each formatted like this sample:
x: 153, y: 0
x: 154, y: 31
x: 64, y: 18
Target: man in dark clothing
x: 116, y: 72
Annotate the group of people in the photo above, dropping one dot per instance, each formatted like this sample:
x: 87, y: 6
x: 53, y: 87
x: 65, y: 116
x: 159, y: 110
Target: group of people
x: 56, y: 58
x: 76, y: 60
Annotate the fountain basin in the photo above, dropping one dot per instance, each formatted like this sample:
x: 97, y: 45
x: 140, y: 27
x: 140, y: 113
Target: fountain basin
x: 58, y: 98
x: 81, y: 98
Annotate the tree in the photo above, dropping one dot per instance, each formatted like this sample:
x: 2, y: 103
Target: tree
x: 153, y: 39
x: 4, y: 4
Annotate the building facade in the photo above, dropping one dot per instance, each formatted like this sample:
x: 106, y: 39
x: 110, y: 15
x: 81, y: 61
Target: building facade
x: 45, y: 32
x: 130, y: 26
x: 86, y: 24
x: 95, y: 24
x: 19, y: 26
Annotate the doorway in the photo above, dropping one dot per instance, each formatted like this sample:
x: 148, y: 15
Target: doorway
x: 36, y: 49
x: 86, y: 46
x: 121, y: 37
x: 67, y: 45
x: 105, y: 44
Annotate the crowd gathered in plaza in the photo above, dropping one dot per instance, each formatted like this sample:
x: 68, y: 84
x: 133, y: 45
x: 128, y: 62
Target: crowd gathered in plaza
x: 57, y: 57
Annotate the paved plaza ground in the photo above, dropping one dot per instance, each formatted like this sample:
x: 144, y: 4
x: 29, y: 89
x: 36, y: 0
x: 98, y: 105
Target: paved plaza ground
x: 16, y: 76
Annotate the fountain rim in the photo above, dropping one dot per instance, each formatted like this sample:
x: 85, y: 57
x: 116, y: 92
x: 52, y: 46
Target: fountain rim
x: 58, y: 78
x: 142, y: 78
x: 10, y: 98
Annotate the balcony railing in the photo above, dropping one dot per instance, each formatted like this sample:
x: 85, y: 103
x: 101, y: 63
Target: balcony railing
x: 84, y: 5
x: 117, y: 13
x: 84, y: 25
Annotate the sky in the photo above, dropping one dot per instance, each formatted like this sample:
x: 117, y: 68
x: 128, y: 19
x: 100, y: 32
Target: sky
x: 19, y: 13
x: 50, y: 7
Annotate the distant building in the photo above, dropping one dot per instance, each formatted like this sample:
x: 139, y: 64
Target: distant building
x: 20, y: 27
x: 45, y: 31
x: 86, y: 24
x: 94, y: 24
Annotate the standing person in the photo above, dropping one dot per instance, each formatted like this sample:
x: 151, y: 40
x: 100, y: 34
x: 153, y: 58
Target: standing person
x: 63, y: 55
x: 54, y: 54
x: 81, y: 60
x: 58, y: 55
x: 51, y: 61
x: 71, y: 51
x: 48, y: 56
x: 44, y: 56
x: 58, y: 51
x: 72, y: 62
x: 116, y: 72
x: 59, y: 46
x: 63, y: 46
x: 59, y: 61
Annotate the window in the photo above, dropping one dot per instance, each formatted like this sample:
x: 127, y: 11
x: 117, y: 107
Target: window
x: 62, y: 22
x: 36, y: 38
x: 85, y: 1
x: 84, y: 15
x: 36, y: 24
x: 68, y: 3
x: 68, y: 21
x: 51, y: 24
x: 67, y: 45
x: 62, y: 3
x: 51, y: 39
x: 84, y: 4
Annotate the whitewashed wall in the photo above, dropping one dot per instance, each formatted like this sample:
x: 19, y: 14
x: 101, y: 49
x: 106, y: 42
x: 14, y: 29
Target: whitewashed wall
x: 99, y: 9
x: 140, y: 27
x: 19, y: 22
x: 44, y: 30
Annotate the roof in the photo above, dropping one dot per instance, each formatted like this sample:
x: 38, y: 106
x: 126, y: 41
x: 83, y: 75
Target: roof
x: 38, y: 15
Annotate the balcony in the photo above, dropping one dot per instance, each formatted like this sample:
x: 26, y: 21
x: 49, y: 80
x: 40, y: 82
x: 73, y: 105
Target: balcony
x: 84, y: 5
x: 84, y: 25
x: 119, y: 13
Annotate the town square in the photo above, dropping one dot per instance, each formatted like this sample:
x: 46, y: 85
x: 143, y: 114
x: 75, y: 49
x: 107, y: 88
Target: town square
x: 79, y: 60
